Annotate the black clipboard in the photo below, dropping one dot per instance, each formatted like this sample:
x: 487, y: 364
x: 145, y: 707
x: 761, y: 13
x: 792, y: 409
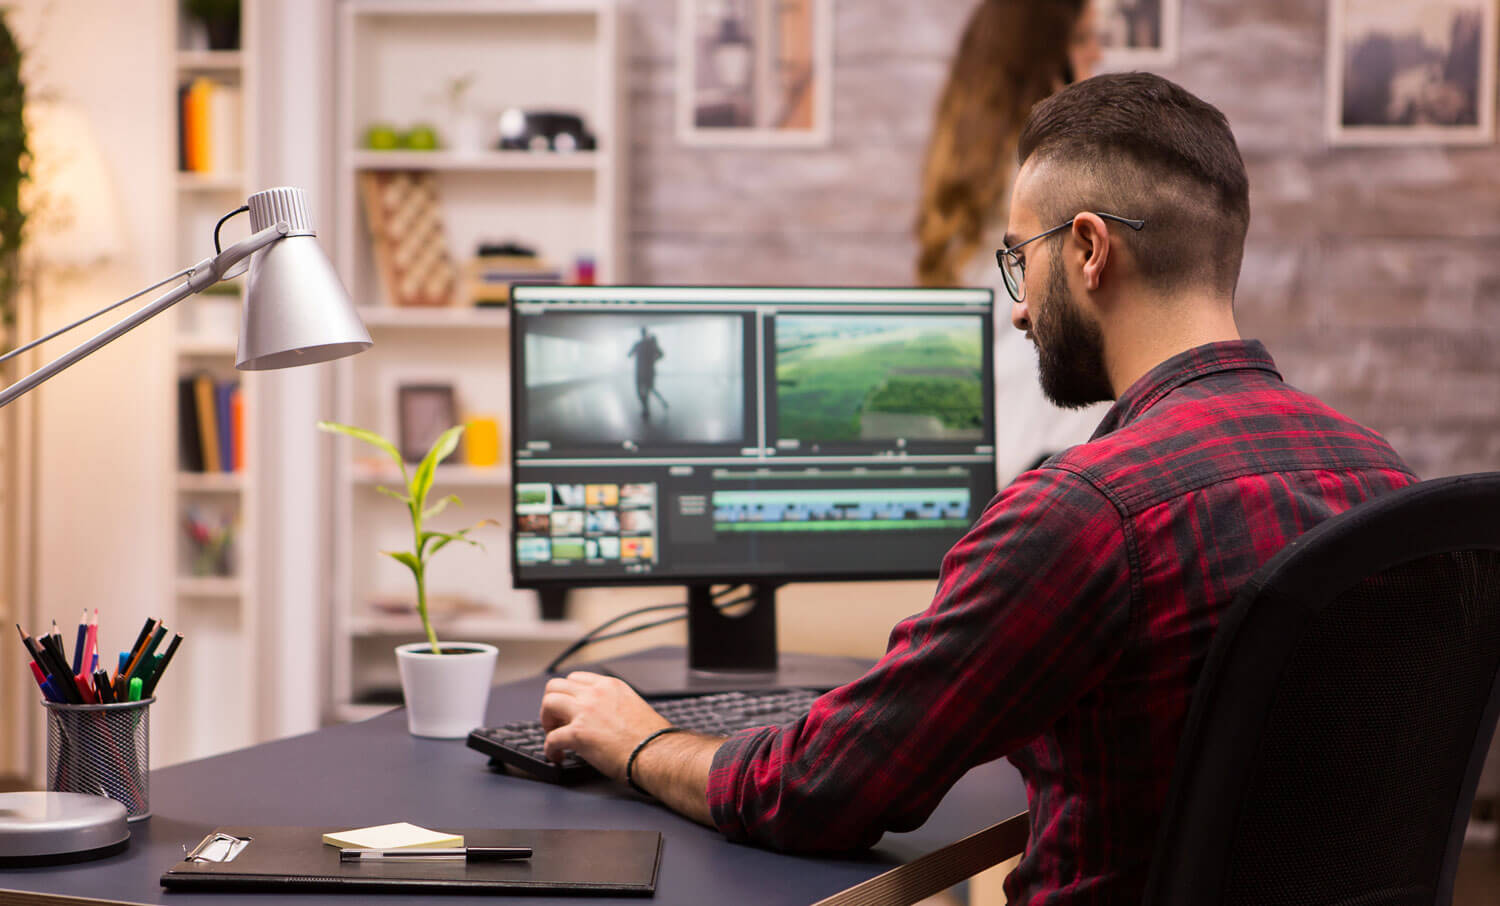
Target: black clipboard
x: 616, y: 862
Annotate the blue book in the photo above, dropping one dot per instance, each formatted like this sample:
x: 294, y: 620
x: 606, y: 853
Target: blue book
x: 223, y: 390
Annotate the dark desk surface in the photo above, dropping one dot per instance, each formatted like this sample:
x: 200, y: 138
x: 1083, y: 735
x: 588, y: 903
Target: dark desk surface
x: 374, y: 772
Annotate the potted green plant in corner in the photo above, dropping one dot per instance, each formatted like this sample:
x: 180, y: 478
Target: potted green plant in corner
x: 220, y: 18
x: 445, y: 685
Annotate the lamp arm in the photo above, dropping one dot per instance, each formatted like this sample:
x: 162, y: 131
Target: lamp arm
x: 201, y: 276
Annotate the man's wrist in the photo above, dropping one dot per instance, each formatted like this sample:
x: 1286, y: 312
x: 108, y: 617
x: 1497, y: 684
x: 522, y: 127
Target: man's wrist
x: 636, y: 752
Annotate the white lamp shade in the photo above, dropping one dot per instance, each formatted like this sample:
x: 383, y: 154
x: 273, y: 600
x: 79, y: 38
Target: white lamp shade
x: 297, y: 311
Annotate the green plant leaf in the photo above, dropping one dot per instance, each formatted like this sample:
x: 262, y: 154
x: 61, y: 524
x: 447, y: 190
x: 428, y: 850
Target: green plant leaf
x: 446, y: 538
x: 382, y: 489
x: 371, y: 438
x: 441, y: 449
x: 409, y: 560
x: 441, y: 505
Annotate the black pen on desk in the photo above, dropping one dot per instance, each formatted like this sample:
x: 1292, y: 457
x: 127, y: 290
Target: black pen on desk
x: 418, y: 854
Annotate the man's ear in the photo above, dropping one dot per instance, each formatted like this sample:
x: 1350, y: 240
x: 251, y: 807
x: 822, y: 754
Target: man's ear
x: 1092, y: 237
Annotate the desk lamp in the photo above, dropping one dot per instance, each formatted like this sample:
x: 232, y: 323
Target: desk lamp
x: 296, y: 311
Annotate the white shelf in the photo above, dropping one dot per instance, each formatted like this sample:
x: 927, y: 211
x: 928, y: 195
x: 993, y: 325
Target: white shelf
x: 215, y: 482
x: 210, y: 182
x: 210, y: 60
x: 488, y: 161
x: 477, y: 7
x: 466, y: 317
x: 207, y: 346
x: 446, y: 477
x: 471, y: 626
x: 219, y: 587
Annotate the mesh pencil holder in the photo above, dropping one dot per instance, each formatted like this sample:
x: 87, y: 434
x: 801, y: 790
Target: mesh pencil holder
x: 102, y: 750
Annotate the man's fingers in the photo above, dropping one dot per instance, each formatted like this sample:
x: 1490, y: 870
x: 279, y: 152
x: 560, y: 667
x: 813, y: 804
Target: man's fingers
x: 561, y: 684
x: 558, y: 709
x: 585, y: 678
x: 557, y: 743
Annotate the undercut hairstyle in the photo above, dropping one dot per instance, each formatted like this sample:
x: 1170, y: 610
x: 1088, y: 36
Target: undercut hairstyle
x: 1139, y: 146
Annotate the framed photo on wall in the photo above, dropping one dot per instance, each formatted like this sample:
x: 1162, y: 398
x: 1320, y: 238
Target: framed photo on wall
x: 1402, y: 73
x: 423, y: 411
x: 754, y: 73
x: 1138, y: 33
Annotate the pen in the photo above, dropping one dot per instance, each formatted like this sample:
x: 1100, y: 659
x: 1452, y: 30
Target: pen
x: 463, y: 854
x: 80, y: 642
x: 162, y: 660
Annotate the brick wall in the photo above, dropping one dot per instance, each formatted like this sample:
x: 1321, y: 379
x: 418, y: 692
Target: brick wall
x: 1372, y: 274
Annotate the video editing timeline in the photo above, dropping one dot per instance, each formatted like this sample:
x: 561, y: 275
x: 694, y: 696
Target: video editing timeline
x: 673, y: 434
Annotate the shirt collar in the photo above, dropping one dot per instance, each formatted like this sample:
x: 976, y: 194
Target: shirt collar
x: 1210, y: 358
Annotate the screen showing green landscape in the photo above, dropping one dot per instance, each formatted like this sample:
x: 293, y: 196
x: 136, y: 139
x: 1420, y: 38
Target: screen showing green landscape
x: 851, y: 378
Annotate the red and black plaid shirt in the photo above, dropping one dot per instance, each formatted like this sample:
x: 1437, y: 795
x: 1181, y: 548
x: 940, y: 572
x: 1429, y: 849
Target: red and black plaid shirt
x: 1067, y: 632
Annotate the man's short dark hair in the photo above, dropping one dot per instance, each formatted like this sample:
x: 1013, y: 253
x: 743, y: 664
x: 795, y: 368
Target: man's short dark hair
x: 1136, y: 145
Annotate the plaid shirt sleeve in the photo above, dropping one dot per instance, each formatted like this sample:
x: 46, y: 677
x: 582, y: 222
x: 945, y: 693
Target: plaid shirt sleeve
x: 1031, y: 609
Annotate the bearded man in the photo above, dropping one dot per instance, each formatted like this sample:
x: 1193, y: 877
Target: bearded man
x: 1070, y: 624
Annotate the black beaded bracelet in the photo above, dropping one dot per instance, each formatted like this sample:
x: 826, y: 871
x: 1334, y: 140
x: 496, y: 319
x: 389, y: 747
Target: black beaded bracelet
x: 630, y: 762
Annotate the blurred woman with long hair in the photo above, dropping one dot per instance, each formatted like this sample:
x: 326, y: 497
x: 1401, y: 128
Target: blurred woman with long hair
x: 1013, y: 54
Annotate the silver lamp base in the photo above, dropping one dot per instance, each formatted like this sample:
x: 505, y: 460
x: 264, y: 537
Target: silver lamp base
x: 39, y: 828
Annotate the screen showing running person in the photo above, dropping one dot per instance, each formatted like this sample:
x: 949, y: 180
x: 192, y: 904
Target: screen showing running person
x: 680, y: 435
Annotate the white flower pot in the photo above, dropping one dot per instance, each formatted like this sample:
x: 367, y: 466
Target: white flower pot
x: 446, y: 693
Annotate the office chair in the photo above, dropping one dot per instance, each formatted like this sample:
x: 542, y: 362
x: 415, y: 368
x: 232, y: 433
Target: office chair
x: 1343, y: 714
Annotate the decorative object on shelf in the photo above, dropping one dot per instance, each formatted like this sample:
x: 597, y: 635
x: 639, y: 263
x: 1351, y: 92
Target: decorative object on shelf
x: 497, y: 266
x: 482, y: 441
x: 423, y: 412
x: 221, y: 21
x: 1404, y: 73
x: 406, y: 228
x: 296, y: 310
x: 421, y: 137
x: 445, y: 686
x: 210, y: 532
x: 382, y: 137
x: 583, y: 270
x: 209, y: 133
x: 754, y: 72
x: 544, y: 130
x: 466, y: 124
x: 1138, y: 33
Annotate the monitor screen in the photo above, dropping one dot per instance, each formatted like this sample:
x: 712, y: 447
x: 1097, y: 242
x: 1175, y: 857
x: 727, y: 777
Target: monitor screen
x: 679, y: 435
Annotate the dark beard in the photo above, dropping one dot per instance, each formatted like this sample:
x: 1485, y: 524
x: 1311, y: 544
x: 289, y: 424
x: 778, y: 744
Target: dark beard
x: 1070, y: 347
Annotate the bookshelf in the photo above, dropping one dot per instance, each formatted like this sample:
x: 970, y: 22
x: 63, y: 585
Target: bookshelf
x: 213, y: 590
x: 395, y: 56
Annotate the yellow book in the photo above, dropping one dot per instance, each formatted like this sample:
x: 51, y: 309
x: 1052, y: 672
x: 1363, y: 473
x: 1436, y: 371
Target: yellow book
x: 393, y: 836
x: 196, y: 125
x: 208, y: 422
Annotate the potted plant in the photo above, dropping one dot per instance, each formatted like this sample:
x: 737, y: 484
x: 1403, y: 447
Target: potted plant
x: 446, y: 686
x: 220, y: 18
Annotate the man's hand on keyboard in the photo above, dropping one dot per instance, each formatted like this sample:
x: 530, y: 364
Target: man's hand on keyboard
x: 598, y: 717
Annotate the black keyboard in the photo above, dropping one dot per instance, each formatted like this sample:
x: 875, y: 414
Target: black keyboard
x: 518, y: 746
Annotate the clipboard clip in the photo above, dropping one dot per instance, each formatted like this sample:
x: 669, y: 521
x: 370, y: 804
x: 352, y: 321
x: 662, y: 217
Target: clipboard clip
x: 217, y: 847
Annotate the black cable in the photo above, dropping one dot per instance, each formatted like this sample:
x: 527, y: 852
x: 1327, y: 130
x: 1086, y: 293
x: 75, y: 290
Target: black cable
x: 592, y: 636
x: 239, y: 210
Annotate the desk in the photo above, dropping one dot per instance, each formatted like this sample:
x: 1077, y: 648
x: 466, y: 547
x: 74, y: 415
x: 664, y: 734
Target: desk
x: 374, y: 772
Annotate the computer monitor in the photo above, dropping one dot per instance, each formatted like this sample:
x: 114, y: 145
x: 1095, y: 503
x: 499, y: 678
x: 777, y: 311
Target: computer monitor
x: 700, y: 436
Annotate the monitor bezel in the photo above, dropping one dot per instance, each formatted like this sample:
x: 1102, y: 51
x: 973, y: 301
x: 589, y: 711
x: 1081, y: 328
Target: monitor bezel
x: 769, y: 579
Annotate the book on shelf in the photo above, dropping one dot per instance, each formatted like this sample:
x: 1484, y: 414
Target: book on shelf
x: 209, y: 136
x: 210, y: 424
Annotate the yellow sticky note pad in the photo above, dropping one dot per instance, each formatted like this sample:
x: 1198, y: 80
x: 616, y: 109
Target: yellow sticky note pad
x: 392, y: 836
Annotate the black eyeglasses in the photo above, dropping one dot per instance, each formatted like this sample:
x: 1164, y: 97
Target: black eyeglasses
x: 1013, y: 266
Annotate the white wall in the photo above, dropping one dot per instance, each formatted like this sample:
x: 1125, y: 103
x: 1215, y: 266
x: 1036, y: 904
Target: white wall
x: 105, y: 442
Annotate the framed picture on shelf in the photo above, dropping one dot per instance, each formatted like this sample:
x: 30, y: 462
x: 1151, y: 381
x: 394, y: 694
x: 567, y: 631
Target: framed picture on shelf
x: 423, y: 411
x: 1402, y: 73
x: 754, y: 73
x: 1138, y: 33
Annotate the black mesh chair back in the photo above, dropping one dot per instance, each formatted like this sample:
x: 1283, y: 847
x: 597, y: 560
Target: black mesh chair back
x: 1343, y: 713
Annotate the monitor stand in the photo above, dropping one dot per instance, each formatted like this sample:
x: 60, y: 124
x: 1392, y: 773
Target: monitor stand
x: 733, y: 654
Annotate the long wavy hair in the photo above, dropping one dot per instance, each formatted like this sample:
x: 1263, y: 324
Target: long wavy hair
x: 1014, y: 54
